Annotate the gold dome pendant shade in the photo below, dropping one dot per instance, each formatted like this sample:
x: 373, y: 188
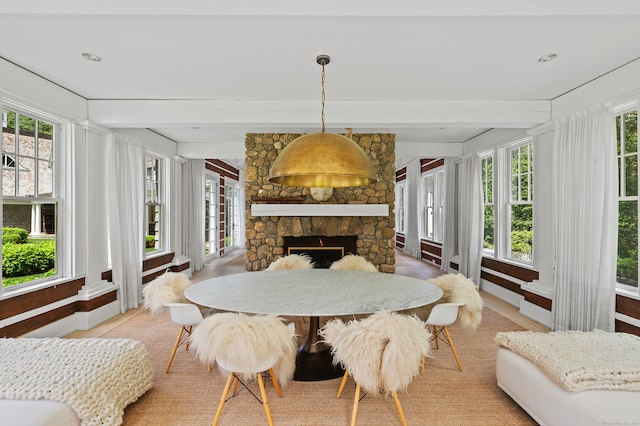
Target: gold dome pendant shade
x: 322, y: 160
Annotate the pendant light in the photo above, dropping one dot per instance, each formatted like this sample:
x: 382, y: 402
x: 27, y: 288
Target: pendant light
x: 322, y: 160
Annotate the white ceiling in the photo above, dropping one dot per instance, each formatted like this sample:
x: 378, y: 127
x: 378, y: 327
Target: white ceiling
x: 435, y: 73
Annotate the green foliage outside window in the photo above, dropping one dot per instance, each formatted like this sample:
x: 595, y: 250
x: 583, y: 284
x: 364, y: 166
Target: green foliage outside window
x: 23, y: 258
x: 28, y: 124
x: 627, y: 137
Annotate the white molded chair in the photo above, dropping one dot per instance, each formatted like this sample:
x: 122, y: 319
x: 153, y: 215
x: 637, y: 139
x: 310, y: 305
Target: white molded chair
x: 245, y: 346
x: 382, y: 353
x: 354, y: 262
x: 441, y: 316
x: 186, y: 315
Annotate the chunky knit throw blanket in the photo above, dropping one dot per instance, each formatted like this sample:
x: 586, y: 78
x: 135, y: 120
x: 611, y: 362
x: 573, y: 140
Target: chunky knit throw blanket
x: 97, y: 378
x: 578, y: 360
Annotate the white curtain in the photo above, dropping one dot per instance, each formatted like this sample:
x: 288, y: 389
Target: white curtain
x: 471, y: 218
x: 193, y: 212
x: 241, y: 213
x: 412, y: 194
x: 448, y: 240
x: 585, y: 212
x: 125, y: 165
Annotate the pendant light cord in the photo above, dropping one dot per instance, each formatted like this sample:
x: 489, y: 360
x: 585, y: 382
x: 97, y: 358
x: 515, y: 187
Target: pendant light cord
x: 322, y: 97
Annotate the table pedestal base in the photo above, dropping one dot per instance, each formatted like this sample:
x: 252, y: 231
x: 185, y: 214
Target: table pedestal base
x: 316, y: 366
x: 314, y: 361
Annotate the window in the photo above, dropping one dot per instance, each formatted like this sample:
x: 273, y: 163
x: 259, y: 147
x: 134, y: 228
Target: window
x: 521, y: 203
x: 627, y: 142
x: 29, y: 204
x: 487, y: 196
x: 232, y: 214
x: 154, y: 204
x: 433, y: 212
x: 210, y: 215
x: 400, y: 206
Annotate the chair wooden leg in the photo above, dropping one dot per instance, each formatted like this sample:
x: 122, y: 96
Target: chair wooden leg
x: 223, y: 399
x: 235, y: 386
x: 453, y: 348
x: 397, y: 400
x: 343, y: 383
x: 175, y: 348
x: 276, y: 385
x: 356, y: 400
x: 188, y: 332
x: 209, y: 366
x: 265, y: 403
x: 435, y: 335
x: 422, y: 366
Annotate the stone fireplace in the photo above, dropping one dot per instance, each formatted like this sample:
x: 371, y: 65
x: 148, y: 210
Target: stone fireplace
x: 265, y: 235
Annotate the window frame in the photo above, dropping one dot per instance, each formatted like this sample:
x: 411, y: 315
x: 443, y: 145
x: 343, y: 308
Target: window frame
x: 160, y: 202
x: 435, y: 203
x: 401, y: 207
x: 214, y: 219
x: 60, y: 153
x: 488, y: 197
x: 622, y: 181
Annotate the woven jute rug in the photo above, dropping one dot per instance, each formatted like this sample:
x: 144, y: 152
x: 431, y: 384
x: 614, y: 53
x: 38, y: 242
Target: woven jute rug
x: 189, y: 394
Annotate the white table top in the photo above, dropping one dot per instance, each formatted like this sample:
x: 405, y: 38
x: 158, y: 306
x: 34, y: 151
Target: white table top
x: 315, y: 292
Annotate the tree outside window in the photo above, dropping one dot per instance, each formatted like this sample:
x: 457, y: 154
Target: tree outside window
x: 487, y: 195
x: 521, y: 204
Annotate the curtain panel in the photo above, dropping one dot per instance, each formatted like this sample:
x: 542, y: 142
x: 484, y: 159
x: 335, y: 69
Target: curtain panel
x: 471, y: 218
x: 125, y: 168
x: 193, y: 212
x: 450, y: 191
x: 585, y: 211
x: 412, y: 227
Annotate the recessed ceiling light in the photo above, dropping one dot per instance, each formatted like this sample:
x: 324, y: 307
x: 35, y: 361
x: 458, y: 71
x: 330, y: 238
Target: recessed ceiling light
x: 91, y: 57
x: 547, y: 58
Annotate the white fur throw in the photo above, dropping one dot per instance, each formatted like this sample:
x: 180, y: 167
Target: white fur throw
x: 245, y: 342
x: 166, y: 288
x: 354, y: 262
x: 458, y: 288
x: 383, y: 353
x: 293, y: 261
x: 578, y: 360
x: 97, y: 378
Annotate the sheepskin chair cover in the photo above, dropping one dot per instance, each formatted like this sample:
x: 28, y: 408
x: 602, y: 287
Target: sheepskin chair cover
x: 293, y: 261
x: 166, y: 288
x: 383, y: 352
x: 354, y: 262
x: 458, y: 288
x: 245, y: 343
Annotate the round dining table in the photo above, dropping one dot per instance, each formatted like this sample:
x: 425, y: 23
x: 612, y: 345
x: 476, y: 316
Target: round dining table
x: 313, y: 293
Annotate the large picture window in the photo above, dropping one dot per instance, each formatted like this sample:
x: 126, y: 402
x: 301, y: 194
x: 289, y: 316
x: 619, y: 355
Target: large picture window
x: 29, y: 203
x: 627, y: 141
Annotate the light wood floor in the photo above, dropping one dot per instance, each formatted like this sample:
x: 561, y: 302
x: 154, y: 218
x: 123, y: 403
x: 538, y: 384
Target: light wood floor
x: 405, y: 265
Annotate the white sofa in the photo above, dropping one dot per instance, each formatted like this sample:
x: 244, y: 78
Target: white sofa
x: 549, y: 404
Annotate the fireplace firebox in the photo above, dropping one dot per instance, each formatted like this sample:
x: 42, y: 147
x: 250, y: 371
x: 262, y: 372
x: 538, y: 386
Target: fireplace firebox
x: 322, y: 249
